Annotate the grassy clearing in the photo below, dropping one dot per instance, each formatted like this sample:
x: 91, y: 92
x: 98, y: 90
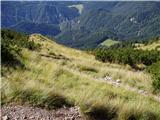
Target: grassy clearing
x: 78, y: 6
x: 109, y: 42
x: 50, y: 83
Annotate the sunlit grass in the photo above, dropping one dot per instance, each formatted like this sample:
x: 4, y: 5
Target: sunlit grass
x: 52, y: 83
x: 152, y: 46
x: 109, y: 42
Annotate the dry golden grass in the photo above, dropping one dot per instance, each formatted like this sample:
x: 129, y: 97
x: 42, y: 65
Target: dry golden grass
x: 152, y: 46
x: 70, y: 81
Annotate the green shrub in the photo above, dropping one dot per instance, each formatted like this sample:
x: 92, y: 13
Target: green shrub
x: 154, y: 70
x: 127, y: 56
x: 12, y: 44
x: 8, y: 53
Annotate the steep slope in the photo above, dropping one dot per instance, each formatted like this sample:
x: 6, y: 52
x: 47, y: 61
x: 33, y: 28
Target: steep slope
x: 55, y: 75
x: 84, y: 24
x: 122, y: 20
x: 43, y: 28
x: 48, y: 14
x: 37, y: 12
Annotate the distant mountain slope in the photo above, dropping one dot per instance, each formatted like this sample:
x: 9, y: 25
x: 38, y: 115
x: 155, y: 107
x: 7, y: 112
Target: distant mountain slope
x: 43, y: 28
x: 37, y: 12
x: 127, y: 20
x: 85, y: 24
x: 32, y: 13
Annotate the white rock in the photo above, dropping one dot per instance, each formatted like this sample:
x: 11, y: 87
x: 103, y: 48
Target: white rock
x: 108, y: 78
x: 24, y: 117
x: 5, y: 118
x: 32, y: 117
x: 141, y: 91
x: 118, y: 81
x: 117, y: 84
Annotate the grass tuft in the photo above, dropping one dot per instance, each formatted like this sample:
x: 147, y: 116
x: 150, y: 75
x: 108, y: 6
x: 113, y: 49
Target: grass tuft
x: 99, y: 112
x: 89, y: 69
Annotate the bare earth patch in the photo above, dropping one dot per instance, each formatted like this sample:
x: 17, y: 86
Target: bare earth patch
x: 18, y: 112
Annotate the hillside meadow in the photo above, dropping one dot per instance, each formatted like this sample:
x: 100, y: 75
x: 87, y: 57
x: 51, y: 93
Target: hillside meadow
x: 55, y: 75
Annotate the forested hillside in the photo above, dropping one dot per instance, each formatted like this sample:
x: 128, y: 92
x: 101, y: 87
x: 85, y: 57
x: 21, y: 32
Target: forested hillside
x: 42, y: 17
x: 115, y: 20
x: 84, y: 24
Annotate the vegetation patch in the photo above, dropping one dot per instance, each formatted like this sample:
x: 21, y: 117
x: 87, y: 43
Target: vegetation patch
x: 125, y: 53
x: 101, y: 113
x: 154, y: 69
x: 78, y: 6
x: 127, y: 56
x: 38, y: 98
x: 153, y: 44
x: 89, y: 69
x: 109, y: 42
x: 12, y: 44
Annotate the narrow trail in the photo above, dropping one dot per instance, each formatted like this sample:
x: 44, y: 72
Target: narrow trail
x: 115, y: 83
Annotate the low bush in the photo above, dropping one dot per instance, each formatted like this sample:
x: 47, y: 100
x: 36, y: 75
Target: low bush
x: 8, y: 52
x: 154, y: 69
x: 128, y: 56
x: 12, y: 44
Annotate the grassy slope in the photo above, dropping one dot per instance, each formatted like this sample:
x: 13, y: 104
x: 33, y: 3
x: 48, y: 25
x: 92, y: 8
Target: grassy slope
x: 60, y: 71
x: 151, y: 46
x: 109, y: 42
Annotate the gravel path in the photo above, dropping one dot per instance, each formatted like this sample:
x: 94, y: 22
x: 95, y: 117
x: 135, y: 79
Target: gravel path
x: 18, y: 112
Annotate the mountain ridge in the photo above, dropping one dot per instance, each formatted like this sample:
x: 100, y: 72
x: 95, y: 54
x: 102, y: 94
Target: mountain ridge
x: 98, y: 20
